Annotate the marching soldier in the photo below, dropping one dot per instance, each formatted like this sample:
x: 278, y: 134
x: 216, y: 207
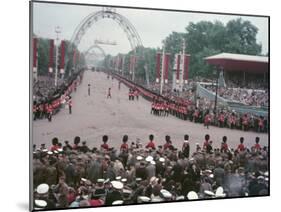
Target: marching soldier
x: 70, y: 105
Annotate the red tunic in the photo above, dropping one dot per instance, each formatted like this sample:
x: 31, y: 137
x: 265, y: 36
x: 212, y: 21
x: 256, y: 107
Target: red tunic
x: 207, y: 119
x: 150, y: 145
x: 124, y: 147
x: 257, y: 146
x: 167, y: 146
x: 241, y: 147
x: 105, y: 146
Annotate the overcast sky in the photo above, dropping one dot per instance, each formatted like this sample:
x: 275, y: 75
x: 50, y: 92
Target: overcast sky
x: 152, y: 26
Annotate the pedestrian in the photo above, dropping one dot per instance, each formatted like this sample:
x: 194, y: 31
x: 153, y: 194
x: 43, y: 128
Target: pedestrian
x: 109, y: 93
x: 70, y: 105
x: 186, y: 146
x: 89, y: 89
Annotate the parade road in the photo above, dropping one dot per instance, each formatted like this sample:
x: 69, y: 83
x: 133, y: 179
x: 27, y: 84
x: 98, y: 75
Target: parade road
x: 94, y: 116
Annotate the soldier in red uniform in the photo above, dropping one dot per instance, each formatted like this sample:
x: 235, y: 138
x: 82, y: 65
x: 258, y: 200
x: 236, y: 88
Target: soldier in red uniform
x: 224, y: 146
x: 50, y: 112
x: 124, y: 147
x: 206, y: 142
x: 260, y: 124
x: 136, y: 94
x: 245, y: 122
x: 207, y: 119
x: 168, y: 144
x: 55, y: 142
x: 221, y: 120
x: 151, y: 143
x: 232, y: 120
x: 257, y: 146
x: 105, y: 146
x: 241, y: 147
x: 196, y: 115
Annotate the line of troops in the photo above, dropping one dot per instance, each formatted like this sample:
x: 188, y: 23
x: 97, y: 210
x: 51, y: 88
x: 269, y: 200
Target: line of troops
x: 185, y: 110
x: 225, y: 118
x: 75, y: 176
x: 49, y: 107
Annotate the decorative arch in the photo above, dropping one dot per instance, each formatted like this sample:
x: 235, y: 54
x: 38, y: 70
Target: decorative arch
x: 124, y: 23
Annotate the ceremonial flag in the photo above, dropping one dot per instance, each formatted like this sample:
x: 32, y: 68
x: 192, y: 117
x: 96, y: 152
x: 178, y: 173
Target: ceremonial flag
x: 178, y: 67
x: 166, y: 67
x: 158, y: 59
x: 51, y: 56
x: 35, y: 43
x: 62, y: 54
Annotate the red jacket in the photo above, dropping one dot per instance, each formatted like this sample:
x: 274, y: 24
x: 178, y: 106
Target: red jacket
x: 150, y: 145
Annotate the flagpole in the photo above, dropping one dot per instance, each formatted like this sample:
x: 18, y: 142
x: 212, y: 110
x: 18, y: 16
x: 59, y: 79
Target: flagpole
x: 162, y: 70
x: 57, y: 30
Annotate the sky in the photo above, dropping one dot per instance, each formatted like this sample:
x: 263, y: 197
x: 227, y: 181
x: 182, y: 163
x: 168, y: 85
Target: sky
x: 152, y: 25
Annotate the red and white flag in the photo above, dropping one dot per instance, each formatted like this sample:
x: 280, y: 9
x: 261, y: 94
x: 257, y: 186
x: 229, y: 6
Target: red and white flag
x: 51, y: 56
x: 62, y: 54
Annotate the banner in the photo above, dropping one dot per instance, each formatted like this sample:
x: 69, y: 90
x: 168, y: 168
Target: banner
x: 62, y: 54
x: 35, y: 40
x: 51, y: 56
x: 178, y: 68
x: 166, y: 67
x: 158, y: 60
x: 186, y: 68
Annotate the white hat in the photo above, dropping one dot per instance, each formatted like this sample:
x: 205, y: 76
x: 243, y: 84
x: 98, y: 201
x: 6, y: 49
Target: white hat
x: 152, y: 162
x: 56, y: 152
x: 45, y: 150
x: 100, y: 180
x: 143, y: 199
x: 162, y: 160
x: 123, y: 180
x: 180, y: 198
x: 50, y: 152
x: 185, y: 141
x: 40, y: 203
x: 138, y: 179
x: 260, y: 178
x: 139, y: 157
x: 117, y: 185
x: 118, y: 202
x: 210, y: 193
x: 266, y: 174
x: 166, y: 194
x: 83, y: 179
x: 266, y: 179
x: 42, y: 188
x: 149, y: 158
x: 211, y: 175
x: 153, y: 180
x: 192, y: 195
x: 118, y: 178
x: 60, y: 150
x: 219, y: 192
x: 127, y: 191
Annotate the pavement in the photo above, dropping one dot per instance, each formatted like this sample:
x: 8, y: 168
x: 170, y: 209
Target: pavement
x: 94, y: 116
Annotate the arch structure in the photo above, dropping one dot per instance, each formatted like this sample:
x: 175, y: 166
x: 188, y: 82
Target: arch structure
x: 90, y: 52
x: 124, y: 23
x: 108, y: 12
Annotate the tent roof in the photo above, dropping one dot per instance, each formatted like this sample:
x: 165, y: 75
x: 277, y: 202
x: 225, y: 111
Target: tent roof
x: 239, y: 62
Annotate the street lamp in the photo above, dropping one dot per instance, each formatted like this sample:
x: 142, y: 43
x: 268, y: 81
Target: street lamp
x: 57, y: 31
x: 217, y: 85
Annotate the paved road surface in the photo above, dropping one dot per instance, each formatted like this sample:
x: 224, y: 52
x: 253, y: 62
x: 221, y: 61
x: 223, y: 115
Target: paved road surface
x: 95, y: 115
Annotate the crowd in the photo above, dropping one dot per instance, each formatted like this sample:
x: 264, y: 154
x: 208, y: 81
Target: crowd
x: 47, y: 106
x: 251, y: 97
x: 73, y: 175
